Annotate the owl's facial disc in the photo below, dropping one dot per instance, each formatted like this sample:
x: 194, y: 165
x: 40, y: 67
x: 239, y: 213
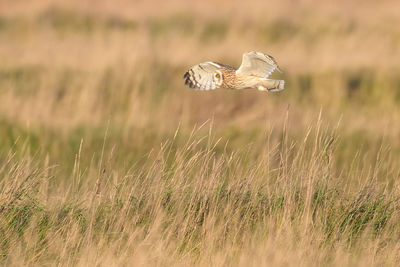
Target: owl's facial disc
x: 218, y: 77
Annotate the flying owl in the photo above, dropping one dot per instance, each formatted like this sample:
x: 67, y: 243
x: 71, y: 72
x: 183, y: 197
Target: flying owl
x: 253, y: 73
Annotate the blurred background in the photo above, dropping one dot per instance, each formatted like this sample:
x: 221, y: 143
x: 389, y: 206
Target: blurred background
x: 69, y: 70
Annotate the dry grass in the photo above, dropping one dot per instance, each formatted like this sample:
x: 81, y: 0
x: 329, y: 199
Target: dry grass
x: 108, y: 160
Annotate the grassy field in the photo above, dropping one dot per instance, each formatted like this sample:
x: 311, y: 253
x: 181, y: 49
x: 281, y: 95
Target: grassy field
x: 107, y: 159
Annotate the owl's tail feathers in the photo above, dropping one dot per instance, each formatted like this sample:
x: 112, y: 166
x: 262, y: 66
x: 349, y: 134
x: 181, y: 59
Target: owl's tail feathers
x: 272, y: 85
x: 280, y: 85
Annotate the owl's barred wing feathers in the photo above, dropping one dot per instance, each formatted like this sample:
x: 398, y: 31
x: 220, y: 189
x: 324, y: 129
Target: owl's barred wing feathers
x: 257, y: 64
x: 204, y: 76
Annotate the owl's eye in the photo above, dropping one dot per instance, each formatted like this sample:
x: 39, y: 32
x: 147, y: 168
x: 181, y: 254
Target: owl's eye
x: 217, y: 76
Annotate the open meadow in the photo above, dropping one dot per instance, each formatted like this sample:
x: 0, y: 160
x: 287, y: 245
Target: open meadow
x: 107, y: 159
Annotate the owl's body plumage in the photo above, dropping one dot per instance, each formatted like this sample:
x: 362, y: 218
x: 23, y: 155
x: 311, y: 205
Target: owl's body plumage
x: 252, y: 73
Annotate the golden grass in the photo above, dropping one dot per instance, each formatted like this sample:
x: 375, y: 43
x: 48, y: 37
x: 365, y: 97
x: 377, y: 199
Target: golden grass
x: 108, y: 160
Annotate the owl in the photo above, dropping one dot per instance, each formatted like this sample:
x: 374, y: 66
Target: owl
x: 252, y: 73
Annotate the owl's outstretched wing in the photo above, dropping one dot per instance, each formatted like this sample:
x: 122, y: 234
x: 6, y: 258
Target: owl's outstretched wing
x: 204, y: 76
x: 257, y: 64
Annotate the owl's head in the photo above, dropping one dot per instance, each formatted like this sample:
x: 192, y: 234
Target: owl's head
x: 204, y: 76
